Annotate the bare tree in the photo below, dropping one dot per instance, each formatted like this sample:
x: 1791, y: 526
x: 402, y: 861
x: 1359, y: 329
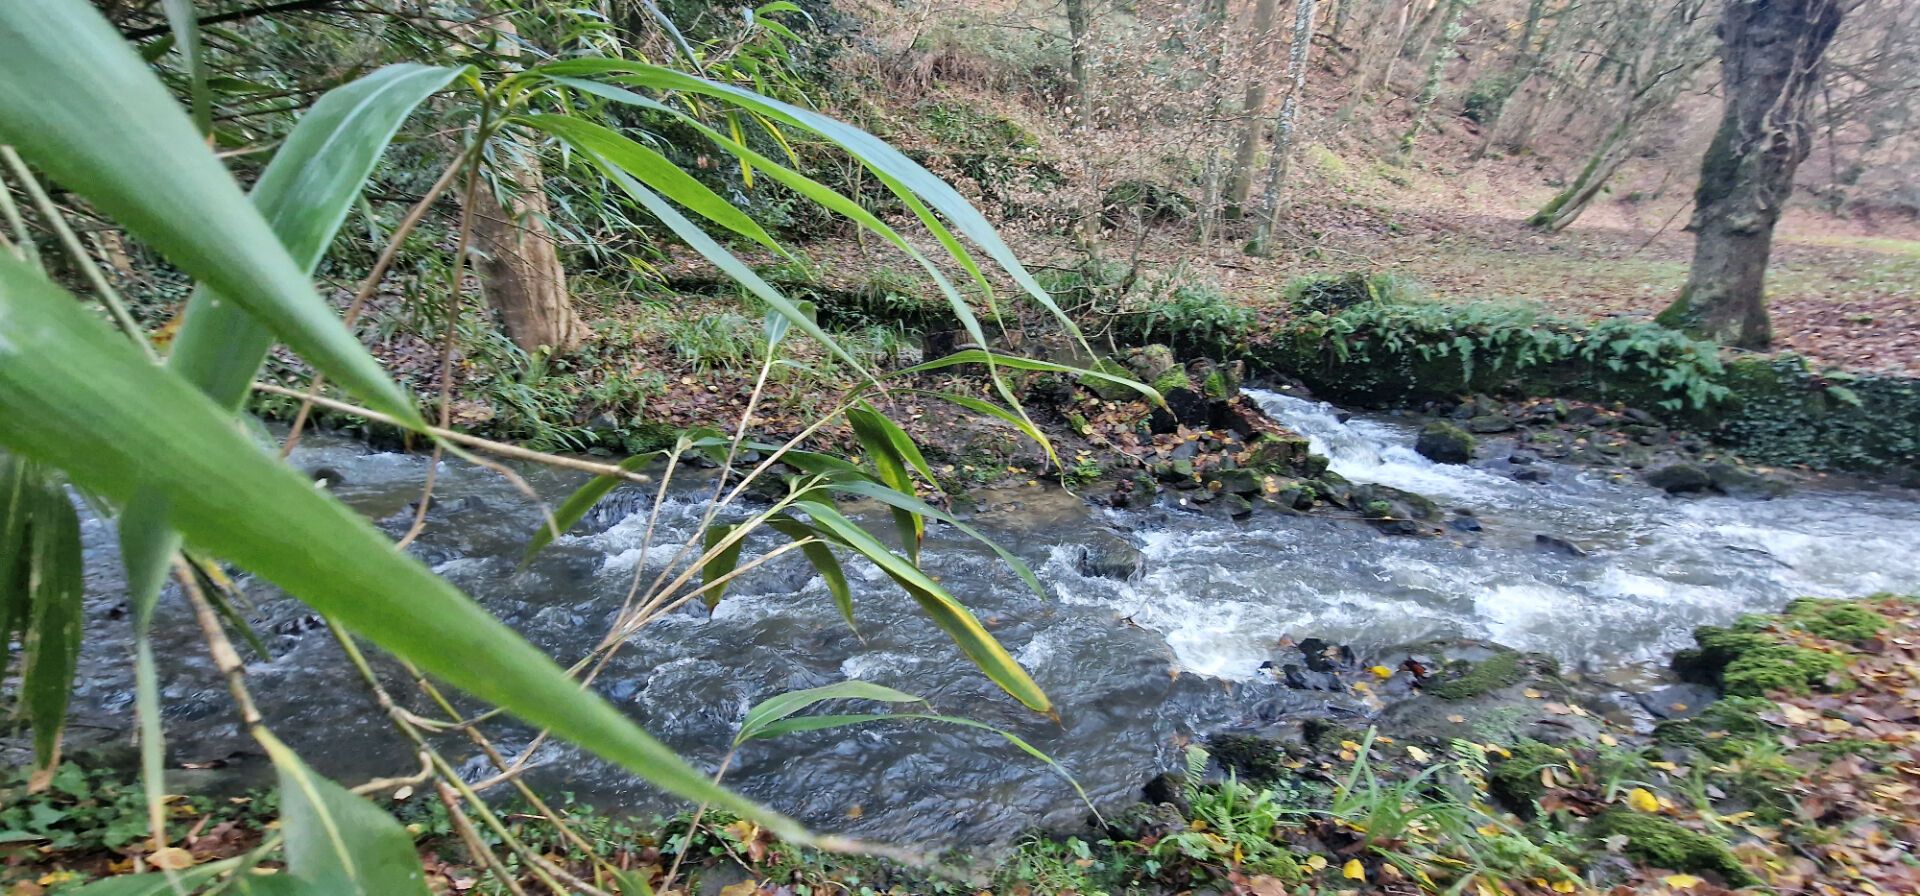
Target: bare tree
x: 1770, y: 60
x: 1240, y: 177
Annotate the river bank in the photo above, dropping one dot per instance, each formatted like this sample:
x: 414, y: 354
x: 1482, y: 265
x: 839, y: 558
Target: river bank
x: 1478, y: 768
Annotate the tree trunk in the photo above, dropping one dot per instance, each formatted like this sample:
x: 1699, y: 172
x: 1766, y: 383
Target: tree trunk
x: 1770, y: 61
x: 1240, y: 180
x: 1287, y: 122
x: 1567, y: 205
x: 1077, y: 27
x: 519, y: 266
x: 516, y: 259
x: 1430, y: 89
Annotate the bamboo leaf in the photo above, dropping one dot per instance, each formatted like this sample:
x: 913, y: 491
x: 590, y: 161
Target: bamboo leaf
x: 156, y: 884
x: 723, y: 555
x: 871, y: 430
x: 997, y: 412
x: 726, y: 261
x: 824, y: 562
x: 977, y: 356
x: 77, y: 396
x: 654, y: 170
x: 947, y: 613
x: 574, y: 509
x: 894, y: 498
x: 15, y: 607
x: 780, y: 706
x: 77, y: 102
x: 54, y: 589
x: 337, y: 842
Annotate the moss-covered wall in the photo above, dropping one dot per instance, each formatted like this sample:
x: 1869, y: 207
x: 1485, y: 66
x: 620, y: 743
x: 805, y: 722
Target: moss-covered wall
x: 1769, y: 409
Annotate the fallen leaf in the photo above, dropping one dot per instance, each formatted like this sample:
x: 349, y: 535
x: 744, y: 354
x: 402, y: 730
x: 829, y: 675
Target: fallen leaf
x: 1353, y: 870
x: 1643, y: 800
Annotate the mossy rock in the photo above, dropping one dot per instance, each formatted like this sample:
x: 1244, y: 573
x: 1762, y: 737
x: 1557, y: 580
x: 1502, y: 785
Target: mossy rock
x: 1662, y: 843
x: 1175, y: 378
x: 1465, y: 681
x: 1753, y: 663
x: 1444, y: 443
x: 1515, y: 780
x: 1834, y: 620
x: 1727, y: 729
x: 1254, y: 760
x: 1107, y: 390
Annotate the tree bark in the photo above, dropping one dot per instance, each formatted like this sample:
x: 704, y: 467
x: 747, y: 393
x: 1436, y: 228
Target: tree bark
x: 1430, y: 88
x: 1077, y: 28
x: 519, y: 266
x: 1240, y: 180
x: 1287, y: 123
x: 1770, y: 59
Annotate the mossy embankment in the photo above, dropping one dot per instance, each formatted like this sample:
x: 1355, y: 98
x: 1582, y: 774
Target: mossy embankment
x: 1775, y: 409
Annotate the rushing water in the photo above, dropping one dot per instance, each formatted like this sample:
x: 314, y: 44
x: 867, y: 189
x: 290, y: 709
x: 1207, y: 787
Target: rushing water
x: 1136, y: 667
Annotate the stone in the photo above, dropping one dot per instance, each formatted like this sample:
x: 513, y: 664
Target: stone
x: 1444, y: 443
x: 1680, y: 479
x: 1554, y: 544
x: 1490, y: 423
x: 1149, y: 362
x: 1239, y: 482
x: 1731, y: 480
x: 1464, y: 524
x: 1236, y: 506
x: 1108, y: 390
x: 1105, y: 555
x: 1532, y: 474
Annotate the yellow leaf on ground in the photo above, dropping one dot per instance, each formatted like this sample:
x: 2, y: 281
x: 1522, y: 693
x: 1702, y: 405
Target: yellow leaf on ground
x: 1381, y: 672
x: 1643, y: 800
x: 743, y: 888
x: 173, y: 858
x: 1456, y: 718
x: 1681, y: 881
x: 1417, y: 754
x: 1353, y: 870
x: 1563, y: 886
x: 1316, y: 862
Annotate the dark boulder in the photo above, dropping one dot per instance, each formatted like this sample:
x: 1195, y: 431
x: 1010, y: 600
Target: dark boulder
x: 1108, y: 556
x: 1680, y: 479
x: 1444, y: 443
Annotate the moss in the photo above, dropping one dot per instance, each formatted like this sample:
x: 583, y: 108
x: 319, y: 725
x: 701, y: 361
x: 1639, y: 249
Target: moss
x: 1215, y: 386
x: 1472, y: 680
x: 1752, y: 663
x: 1835, y: 620
x: 1661, y: 843
x: 1725, y: 730
x: 1107, y: 390
x: 1175, y: 378
x: 1253, y: 759
x: 1516, y: 782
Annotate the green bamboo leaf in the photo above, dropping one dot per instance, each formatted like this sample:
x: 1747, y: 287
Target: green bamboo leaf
x: 824, y: 562
x: 337, y: 842
x: 777, y: 728
x: 897, y: 499
x: 904, y: 176
x: 997, y: 412
x: 305, y: 194
x: 726, y: 261
x: 574, y: 509
x: 55, y: 589
x: 77, y: 396
x: 870, y: 427
x: 157, y: 884
x: 723, y: 555
x: 977, y: 356
x: 820, y: 193
x: 947, y: 613
x: 15, y: 607
x: 780, y: 706
x: 78, y: 103
x: 654, y: 170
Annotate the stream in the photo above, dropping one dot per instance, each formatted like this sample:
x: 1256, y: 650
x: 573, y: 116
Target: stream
x: 1137, y: 667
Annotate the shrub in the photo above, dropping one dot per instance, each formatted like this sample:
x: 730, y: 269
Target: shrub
x: 1195, y: 318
